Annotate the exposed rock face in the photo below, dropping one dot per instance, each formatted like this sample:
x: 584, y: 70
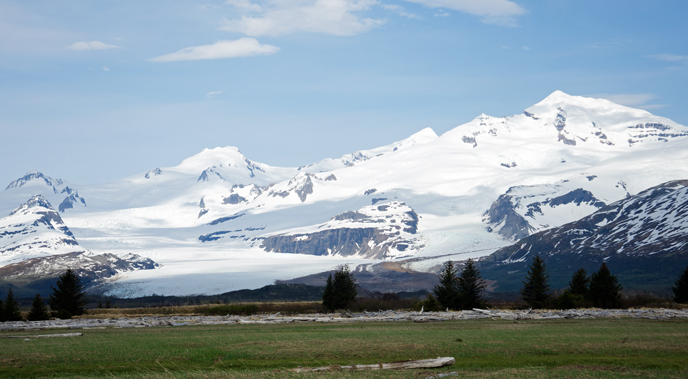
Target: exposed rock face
x: 301, y: 185
x: 513, y: 219
x: 71, y: 199
x: 378, y: 232
x: 636, y: 237
x: 209, y: 173
x: 91, y: 268
x: 506, y: 221
x: 152, y: 173
x: 35, y: 229
x: 242, y: 194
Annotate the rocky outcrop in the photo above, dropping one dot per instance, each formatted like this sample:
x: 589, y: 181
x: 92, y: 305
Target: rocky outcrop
x: 378, y: 232
x: 208, y: 174
x: 301, y: 185
x: 513, y: 219
x: 152, y: 173
x: 71, y: 199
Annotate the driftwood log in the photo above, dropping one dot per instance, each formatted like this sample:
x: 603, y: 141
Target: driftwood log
x: 47, y: 335
x: 422, y: 363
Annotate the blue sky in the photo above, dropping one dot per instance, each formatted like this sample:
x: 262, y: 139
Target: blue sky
x: 93, y: 91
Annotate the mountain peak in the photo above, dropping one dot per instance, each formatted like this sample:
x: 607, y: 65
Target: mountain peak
x: 218, y: 157
x: 36, y: 175
x: 34, y: 202
x: 559, y: 100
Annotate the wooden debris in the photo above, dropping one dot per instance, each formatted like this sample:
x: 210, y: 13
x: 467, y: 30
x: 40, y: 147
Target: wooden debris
x: 348, y: 317
x: 422, y: 363
x: 47, y: 335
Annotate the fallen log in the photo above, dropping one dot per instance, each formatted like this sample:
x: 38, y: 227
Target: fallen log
x: 47, y: 335
x: 422, y: 363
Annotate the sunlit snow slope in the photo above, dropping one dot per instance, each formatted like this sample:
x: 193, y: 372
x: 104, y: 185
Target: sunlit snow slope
x: 219, y: 221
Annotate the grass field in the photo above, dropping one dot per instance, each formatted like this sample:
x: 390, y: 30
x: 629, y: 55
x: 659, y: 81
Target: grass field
x: 605, y: 348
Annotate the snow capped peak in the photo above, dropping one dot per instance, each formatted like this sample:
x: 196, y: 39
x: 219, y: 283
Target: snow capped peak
x: 39, y: 177
x: 560, y: 101
x: 219, y: 157
x: 34, y: 202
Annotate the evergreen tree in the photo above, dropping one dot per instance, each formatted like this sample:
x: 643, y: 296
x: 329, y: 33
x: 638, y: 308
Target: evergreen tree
x: 447, y: 292
x: 605, y: 290
x: 38, y: 310
x: 2, y: 312
x: 328, y: 295
x: 69, y: 298
x: 343, y: 288
x: 580, y: 283
x: 10, y: 307
x: 535, y: 289
x: 680, y: 287
x: 470, y: 287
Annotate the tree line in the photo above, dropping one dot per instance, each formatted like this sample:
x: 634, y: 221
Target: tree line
x: 464, y: 290
x: 601, y: 289
x: 67, y: 300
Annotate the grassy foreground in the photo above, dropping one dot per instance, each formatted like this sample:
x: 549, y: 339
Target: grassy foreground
x: 483, y: 349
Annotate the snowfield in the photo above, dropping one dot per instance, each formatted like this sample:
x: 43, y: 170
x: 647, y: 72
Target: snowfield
x: 211, y: 222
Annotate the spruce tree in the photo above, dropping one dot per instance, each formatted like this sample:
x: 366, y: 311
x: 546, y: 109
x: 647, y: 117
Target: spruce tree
x: 535, y: 291
x: 680, y: 287
x: 344, y: 288
x: 328, y: 295
x: 471, y: 287
x: 69, y: 298
x: 580, y: 283
x: 447, y: 292
x: 38, y: 310
x: 10, y: 307
x: 605, y: 290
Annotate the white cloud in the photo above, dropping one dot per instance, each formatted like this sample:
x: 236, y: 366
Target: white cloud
x: 93, y: 45
x: 526, y: 48
x: 500, y: 12
x: 245, y: 5
x: 441, y: 13
x: 635, y: 100
x: 670, y: 58
x: 398, y: 9
x: 212, y: 94
x: 105, y: 69
x: 336, y: 17
x: 243, y: 47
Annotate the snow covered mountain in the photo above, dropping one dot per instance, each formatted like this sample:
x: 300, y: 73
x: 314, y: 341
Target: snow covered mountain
x: 36, y: 245
x: 644, y: 236
x: 33, y: 230
x: 219, y: 221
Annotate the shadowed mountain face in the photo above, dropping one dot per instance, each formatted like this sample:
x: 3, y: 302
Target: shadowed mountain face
x: 638, y: 237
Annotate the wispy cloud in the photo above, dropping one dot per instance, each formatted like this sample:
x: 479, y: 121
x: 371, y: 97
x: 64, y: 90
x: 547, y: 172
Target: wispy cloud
x: 93, y: 45
x: 635, y: 100
x: 670, y: 58
x: 243, y: 47
x: 398, y: 9
x: 105, y: 69
x: 499, y: 12
x: 336, y: 17
x: 212, y: 94
x: 245, y: 5
x: 441, y: 13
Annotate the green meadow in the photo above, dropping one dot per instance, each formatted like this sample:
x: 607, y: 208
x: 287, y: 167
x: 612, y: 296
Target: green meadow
x: 604, y: 348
